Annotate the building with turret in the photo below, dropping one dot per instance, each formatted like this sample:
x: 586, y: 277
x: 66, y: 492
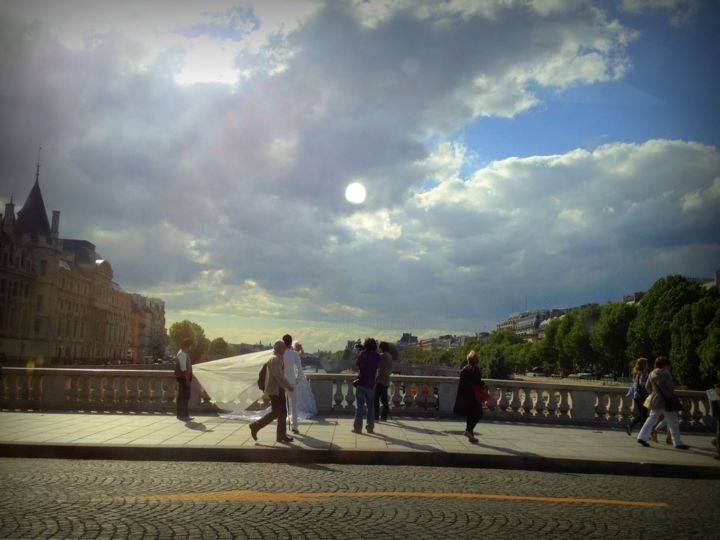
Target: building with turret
x: 59, y: 303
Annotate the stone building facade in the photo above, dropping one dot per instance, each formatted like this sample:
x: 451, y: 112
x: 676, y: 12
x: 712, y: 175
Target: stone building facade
x: 59, y: 303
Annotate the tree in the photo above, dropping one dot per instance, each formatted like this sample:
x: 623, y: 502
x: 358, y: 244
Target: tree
x: 220, y: 348
x: 709, y: 351
x: 187, y: 329
x: 649, y: 333
x: 690, y: 327
x: 609, y: 337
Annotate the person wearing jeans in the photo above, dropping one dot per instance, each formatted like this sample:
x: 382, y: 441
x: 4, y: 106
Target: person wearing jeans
x: 660, y: 383
x: 367, y: 364
x: 383, y: 382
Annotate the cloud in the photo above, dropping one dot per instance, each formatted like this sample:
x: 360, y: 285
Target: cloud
x: 227, y: 198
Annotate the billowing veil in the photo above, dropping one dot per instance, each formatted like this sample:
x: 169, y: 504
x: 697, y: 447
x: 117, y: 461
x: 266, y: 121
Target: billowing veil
x: 231, y: 382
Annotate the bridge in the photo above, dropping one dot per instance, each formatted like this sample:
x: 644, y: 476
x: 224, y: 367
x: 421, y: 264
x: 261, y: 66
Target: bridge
x: 549, y: 426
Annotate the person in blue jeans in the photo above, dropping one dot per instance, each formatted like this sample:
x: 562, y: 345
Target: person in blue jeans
x: 367, y: 364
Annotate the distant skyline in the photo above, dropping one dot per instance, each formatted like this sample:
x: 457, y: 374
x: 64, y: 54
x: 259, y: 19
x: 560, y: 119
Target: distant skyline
x: 512, y: 152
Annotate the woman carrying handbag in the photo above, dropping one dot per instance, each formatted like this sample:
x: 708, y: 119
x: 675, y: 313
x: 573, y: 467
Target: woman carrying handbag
x: 662, y: 400
x: 470, y: 388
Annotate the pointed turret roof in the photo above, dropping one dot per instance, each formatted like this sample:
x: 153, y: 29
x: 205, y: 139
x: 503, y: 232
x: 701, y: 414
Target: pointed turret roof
x: 32, y: 217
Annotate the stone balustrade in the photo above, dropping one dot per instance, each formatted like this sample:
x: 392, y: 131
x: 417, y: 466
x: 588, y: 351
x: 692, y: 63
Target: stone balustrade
x: 153, y: 391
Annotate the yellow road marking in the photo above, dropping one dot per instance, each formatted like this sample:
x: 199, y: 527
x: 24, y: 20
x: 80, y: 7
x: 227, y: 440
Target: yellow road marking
x: 265, y: 496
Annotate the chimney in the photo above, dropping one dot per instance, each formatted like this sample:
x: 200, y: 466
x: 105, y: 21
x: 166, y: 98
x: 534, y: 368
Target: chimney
x: 55, y: 230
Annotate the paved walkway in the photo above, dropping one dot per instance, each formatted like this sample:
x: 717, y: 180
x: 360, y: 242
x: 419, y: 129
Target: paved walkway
x: 328, y: 439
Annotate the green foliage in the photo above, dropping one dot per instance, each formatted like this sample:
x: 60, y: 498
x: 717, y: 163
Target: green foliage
x: 220, y: 348
x: 691, y: 328
x: 609, y: 337
x: 187, y: 329
x: 649, y: 334
x: 709, y: 352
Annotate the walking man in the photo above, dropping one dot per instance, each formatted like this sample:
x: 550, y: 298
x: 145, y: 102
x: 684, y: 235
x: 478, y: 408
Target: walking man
x: 275, y: 386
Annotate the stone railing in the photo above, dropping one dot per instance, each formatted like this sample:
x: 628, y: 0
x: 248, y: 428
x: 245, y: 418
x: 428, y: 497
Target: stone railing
x: 62, y: 389
x: 522, y: 401
x: 154, y: 391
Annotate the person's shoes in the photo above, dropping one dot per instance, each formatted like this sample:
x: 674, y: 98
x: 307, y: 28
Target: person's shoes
x: 253, y: 432
x: 644, y: 443
x: 473, y: 440
x: 296, y: 430
x: 370, y: 430
x: 358, y: 431
x: 682, y: 447
x: 285, y: 439
x: 469, y: 435
x: 628, y: 429
x: 185, y: 418
x: 653, y: 435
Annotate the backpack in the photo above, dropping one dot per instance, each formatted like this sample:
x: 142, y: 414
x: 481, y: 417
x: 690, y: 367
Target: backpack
x: 262, y: 376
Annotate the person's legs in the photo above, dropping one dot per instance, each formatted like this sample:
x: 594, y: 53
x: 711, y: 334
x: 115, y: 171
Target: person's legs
x: 647, y: 427
x: 291, y: 399
x: 370, y: 409
x: 376, y: 401
x: 282, y: 416
x: 269, y: 417
x: 384, y: 399
x: 183, y: 398
x: 673, y: 427
x: 359, y: 408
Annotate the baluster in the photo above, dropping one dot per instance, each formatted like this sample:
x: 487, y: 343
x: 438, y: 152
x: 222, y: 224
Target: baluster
x: 552, y: 403
x: 564, y: 407
x: 396, y: 396
x: 615, y: 400
x: 515, y: 401
x: 337, y: 396
x: 409, y: 397
x: 492, y: 403
x: 421, y: 398
x: 527, y: 404
x: 503, y: 403
x: 601, y: 405
x: 697, y: 414
x: 350, y: 396
x: 540, y: 404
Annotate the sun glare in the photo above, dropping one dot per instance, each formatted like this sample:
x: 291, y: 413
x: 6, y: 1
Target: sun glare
x: 355, y: 193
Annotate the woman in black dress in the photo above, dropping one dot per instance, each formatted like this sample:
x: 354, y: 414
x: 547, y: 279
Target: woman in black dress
x: 466, y: 403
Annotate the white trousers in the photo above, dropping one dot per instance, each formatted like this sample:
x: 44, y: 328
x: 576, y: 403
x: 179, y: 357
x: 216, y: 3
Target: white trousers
x: 672, y: 423
x: 292, y: 409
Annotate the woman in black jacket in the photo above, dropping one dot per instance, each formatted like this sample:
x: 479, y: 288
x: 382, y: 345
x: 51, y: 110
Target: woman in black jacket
x: 466, y: 404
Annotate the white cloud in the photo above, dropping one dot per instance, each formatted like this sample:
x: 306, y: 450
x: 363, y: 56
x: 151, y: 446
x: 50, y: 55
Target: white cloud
x: 228, y: 200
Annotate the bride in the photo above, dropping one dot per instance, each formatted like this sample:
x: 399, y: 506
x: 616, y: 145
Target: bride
x: 232, y: 386
x: 306, y: 406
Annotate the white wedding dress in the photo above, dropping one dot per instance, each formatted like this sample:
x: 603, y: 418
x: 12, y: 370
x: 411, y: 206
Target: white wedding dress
x: 232, y: 386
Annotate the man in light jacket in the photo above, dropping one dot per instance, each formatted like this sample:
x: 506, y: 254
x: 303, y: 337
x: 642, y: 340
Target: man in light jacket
x: 275, y: 386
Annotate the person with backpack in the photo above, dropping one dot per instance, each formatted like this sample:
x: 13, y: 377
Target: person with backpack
x: 638, y: 393
x: 183, y: 377
x: 274, y: 387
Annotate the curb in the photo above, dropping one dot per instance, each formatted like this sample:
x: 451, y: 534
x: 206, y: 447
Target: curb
x: 292, y: 455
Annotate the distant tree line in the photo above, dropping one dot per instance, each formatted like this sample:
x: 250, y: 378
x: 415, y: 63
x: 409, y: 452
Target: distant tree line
x: 677, y: 317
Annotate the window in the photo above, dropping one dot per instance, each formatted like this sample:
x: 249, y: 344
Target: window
x: 43, y: 268
x: 37, y: 326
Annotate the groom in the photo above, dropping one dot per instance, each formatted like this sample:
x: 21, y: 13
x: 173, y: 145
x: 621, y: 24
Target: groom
x: 275, y: 386
x: 292, y: 366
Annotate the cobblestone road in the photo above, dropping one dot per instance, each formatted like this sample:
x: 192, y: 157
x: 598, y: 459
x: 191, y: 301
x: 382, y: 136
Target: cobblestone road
x: 122, y: 499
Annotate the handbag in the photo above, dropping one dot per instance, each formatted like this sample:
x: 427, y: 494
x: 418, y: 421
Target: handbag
x: 481, y: 394
x: 672, y: 402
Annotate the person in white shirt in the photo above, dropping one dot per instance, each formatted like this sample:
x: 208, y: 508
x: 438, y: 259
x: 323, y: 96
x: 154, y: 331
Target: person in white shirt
x: 292, y: 370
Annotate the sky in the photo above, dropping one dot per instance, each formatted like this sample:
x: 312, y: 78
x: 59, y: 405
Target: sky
x: 516, y: 154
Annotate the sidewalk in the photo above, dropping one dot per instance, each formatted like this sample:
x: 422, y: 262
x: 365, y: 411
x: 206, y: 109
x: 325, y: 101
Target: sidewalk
x: 328, y: 439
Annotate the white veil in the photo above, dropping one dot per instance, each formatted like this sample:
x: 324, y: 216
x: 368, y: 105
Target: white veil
x: 231, y: 382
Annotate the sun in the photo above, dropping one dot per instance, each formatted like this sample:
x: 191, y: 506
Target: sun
x: 355, y: 193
